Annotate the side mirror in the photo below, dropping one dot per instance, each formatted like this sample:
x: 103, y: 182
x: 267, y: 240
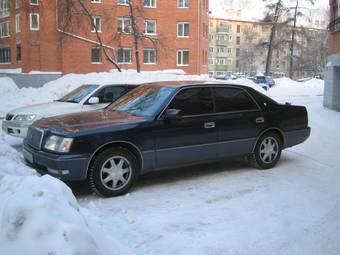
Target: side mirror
x: 172, y: 114
x: 94, y: 100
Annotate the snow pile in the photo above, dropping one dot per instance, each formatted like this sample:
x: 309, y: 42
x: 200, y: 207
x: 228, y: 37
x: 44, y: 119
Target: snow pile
x: 39, y: 215
x: 288, y: 88
x: 58, y: 88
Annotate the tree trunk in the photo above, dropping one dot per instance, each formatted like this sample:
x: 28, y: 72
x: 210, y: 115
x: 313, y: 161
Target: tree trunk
x: 291, y: 70
x: 272, y: 39
x: 135, y: 36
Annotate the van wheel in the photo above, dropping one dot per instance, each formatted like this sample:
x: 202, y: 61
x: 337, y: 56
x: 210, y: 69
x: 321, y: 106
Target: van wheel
x: 113, y: 172
x: 267, y: 151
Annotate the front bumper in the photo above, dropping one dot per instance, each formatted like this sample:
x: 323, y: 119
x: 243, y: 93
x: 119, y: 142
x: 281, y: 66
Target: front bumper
x: 15, y: 128
x: 64, y: 167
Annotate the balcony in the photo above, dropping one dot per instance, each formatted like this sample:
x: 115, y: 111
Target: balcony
x: 222, y: 30
x: 334, y: 26
x: 218, y: 67
x: 222, y: 43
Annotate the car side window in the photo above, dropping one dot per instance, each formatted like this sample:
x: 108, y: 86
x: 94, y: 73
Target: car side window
x: 193, y: 101
x: 110, y: 94
x: 233, y: 99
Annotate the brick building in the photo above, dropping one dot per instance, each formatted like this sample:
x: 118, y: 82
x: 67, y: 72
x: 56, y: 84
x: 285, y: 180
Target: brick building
x: 332, y: 74
x: 49, y: 36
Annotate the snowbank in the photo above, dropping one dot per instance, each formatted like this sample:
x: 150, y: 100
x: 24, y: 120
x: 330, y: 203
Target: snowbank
x: 57, y: 88
x: 40, y: 215
x: 288, y: 88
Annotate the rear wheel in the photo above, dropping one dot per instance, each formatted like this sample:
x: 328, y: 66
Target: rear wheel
x: 267, y: 151
x: 113, y: 172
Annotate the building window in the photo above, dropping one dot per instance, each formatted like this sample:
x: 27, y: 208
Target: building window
x: 238, y: 29
x: 183, y: 57
x: 221, y: 61
x: 4, y: 29
x: 124, y: 25
x: 5, y: 55
x: 17, y: 4
x: 123, y: 2
x: 150, y: 3
x: 183, y: 3
x: 229, y: 50
x: 150, y: 56
x: 211, y: 61
x: 238, y: 52
x: 238, y: 40
x: 34, y: 22
x: 96, y: 55
x: 211, y: 49
x: 150, y: 27
x: 124, y: 56
x: 18, y: 53
x: 96, y: 24
x: 220, y: 49
x: 34, y: 2
x: 4, y: 8
x: 17, y: 23
x: 183, y: 29
x: 237, y: 63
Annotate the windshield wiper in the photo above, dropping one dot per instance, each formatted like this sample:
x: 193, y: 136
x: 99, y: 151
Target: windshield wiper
x: 71, y: 101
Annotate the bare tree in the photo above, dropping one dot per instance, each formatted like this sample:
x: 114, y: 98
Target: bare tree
x: 273, y: 16
x: 296, y: 14
x: 249, y: 51
x: 73, y: 13
x: 70, y: 19
x: 137, y: 31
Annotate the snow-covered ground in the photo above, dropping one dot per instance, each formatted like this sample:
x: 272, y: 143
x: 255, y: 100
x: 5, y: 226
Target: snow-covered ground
x: 224, y: 208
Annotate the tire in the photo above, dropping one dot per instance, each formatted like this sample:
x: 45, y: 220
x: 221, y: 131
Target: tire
x: 267, y: 157
x: 113, y: 172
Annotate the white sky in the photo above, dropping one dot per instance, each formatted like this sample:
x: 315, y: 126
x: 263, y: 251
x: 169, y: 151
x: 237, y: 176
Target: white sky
x: 251, y: 9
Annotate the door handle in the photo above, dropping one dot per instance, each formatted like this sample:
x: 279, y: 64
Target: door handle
x: 209, y: 125
x: 260, y: 120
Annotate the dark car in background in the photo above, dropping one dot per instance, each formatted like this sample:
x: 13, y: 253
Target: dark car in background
x: 265, y: 82
x: 164, y: 125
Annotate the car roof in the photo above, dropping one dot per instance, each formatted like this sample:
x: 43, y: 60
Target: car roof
x: 114, y: 84
x: 181, y: 84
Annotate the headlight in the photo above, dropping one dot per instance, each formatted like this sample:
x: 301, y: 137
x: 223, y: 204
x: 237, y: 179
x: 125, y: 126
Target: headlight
x: 25, y: 117
x: 58, y: 143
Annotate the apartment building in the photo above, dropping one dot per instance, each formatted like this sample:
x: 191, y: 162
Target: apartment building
x: 240, y: 47
x: 332, y: 74
x: 89, y: 35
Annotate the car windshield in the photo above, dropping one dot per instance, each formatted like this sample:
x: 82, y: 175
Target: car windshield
x: 143, y: 101
x: 75, y: 96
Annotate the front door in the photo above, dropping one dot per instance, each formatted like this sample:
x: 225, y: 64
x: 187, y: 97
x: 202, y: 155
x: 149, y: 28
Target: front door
x: 191, y: 138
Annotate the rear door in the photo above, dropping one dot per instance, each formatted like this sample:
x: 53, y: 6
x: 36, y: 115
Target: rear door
x: 191, y: 138
x: 239, y: 120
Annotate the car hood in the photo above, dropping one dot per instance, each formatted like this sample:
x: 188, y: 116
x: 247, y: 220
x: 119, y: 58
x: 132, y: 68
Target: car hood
x: 48, y: 109
x: 78, y: 122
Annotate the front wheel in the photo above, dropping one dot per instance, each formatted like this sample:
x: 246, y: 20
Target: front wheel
x: 267, y: 151
x: 113, y: 172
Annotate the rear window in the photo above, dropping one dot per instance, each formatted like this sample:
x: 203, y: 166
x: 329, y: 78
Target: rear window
x: 232, y: 100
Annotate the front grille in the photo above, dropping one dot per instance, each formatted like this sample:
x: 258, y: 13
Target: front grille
x: 34, y: 137
x: 9, y: 116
